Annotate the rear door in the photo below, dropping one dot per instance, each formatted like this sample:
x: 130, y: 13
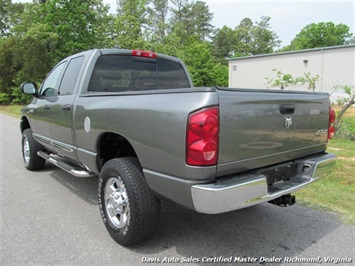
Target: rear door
x: 260, y: 128
x: 60, y: 111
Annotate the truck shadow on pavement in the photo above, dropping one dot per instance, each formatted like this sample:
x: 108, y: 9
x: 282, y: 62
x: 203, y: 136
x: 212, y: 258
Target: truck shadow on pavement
x: 259, y: 231
x: 85, y: 188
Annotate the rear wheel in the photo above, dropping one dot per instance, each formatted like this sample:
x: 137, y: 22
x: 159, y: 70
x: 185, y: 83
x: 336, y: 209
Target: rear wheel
x: 129, y: 209
x: 30, y: 147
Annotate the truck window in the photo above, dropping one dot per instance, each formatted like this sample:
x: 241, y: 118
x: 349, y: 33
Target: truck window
x: 171, y: 75
x: 70, y: 76
x: 49, y: 87
x: 115, y: 73
x: 145, y: 75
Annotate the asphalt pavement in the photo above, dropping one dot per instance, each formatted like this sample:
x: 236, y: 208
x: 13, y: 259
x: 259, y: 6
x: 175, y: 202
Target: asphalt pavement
x: 50, y: 217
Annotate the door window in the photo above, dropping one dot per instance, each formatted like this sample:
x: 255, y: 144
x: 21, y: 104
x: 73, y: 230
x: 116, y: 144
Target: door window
x: 49, y: 87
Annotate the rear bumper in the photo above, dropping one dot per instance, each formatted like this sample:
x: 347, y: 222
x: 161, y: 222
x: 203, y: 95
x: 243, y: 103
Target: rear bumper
x: 243, y: 191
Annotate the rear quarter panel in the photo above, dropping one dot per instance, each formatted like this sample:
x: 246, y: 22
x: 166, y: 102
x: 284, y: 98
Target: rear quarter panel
x: 154, y: 123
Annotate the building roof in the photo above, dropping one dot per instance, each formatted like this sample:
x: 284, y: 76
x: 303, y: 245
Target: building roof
x: 293, y: 52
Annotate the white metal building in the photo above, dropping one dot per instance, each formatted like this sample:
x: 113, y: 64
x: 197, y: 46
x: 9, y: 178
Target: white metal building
x: 334, y: 65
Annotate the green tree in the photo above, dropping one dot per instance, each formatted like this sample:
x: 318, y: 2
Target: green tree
x: 199, y: 61
x: 7, y: 67
x: 320, y: 34
x: 129, y: 24
x: 179, y: 21
x: 224, y: 43
x: 28, y: 58
x: 256, y: 38
x: 264, y: 39
x: 191, y: 18
x: 220, y: 75
x: 202, y: 18
x: 102, y: 25
x: 158, y: 19
x: 198, y: 58
x: 23, y: 16
x: 35, y: 53
x: 4, y: 16
x: 40, y: 33
x: 246, y: 39
x: 244, y: 35
x: 170, y: 45
x: 177, y: 10
x: 11, y: 36
x: 10, y: 16
x: 75, y: 22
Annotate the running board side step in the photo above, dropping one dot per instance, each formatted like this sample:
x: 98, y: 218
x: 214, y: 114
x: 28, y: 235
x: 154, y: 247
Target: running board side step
x: 73, y: 170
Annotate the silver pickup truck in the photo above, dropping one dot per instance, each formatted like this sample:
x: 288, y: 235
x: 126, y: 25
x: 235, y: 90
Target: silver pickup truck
x: 134, y: 119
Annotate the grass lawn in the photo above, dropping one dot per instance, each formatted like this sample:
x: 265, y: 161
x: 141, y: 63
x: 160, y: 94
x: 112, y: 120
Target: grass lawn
x: 13, y: 110
x: 335, y: 192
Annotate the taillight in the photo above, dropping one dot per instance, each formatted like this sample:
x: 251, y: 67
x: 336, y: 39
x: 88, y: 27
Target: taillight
x: 144, y: 54
x: 202, y: 137
x: 331, y: 128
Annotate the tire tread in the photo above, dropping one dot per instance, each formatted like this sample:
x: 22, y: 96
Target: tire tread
x: 147, y: 207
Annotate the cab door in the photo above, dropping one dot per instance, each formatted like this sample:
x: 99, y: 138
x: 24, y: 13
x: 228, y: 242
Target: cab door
x: 60, y: 111
x: 38, y: 110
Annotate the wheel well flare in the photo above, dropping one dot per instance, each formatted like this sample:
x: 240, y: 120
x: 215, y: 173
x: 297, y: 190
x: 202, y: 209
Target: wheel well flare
x: 111, y: 145
x: 24, y: 124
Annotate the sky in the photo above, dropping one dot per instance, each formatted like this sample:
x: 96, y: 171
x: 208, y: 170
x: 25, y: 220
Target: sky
x: 288, y: 17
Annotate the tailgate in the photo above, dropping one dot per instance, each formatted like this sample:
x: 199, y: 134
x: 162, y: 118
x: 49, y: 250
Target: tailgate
x: 263, y: 127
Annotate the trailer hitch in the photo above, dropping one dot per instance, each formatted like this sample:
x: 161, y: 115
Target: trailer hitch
x: 284, y: 200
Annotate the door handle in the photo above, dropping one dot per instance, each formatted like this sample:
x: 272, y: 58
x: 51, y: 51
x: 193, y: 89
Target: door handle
x: 287, y: 109
x: 46, y: 107
x: 66, y: 107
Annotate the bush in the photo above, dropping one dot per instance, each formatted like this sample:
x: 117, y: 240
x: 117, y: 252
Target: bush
x: 18, y: 97
x: 346, y: 129
x: 4, y: 98
x: 15, y: 97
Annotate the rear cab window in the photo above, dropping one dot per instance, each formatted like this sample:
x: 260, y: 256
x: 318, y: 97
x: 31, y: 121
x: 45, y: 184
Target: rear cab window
x: 70, y: 76
x: 119, y: 73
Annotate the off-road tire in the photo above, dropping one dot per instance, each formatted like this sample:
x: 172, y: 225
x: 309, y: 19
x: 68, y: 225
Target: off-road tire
x: 129, y: 210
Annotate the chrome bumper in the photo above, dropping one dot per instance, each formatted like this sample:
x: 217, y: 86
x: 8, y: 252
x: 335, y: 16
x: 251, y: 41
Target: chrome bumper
x: 247, y: 190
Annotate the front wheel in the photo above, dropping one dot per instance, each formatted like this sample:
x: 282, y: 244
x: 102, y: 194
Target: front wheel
x: 128, y: 208
x: 30, y: 147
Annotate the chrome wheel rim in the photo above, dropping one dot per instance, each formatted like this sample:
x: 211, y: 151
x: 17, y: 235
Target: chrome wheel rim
x: 117, y: 202
x: 26, y: 150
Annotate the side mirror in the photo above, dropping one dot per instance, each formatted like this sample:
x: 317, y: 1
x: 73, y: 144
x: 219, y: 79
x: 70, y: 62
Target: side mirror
x: 29, y: 88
